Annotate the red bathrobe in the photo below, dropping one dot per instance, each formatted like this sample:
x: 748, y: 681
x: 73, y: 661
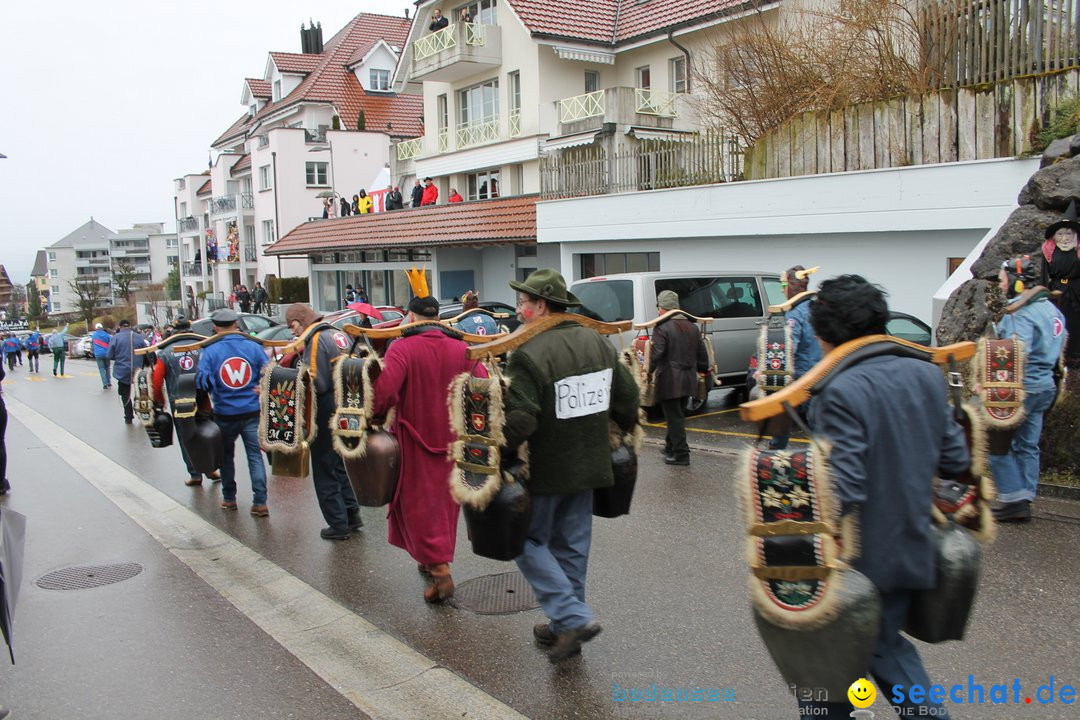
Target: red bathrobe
x: 423, y: 516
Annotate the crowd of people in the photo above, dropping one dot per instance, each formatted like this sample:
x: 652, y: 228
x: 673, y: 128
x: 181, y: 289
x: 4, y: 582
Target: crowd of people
x: 424, y: 193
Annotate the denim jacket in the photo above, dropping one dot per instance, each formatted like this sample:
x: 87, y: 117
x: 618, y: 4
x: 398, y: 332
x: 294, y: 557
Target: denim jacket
x: 1041, y: 327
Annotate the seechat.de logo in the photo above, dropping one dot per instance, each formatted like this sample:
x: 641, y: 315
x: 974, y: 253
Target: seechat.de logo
x: 235, y: 372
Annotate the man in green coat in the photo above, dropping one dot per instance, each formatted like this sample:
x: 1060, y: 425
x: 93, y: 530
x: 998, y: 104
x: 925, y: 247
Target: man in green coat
x: 566, y: 385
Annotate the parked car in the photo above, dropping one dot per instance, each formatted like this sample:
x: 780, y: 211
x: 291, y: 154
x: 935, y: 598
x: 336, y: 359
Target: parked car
x: 737, y: 300
x: 909, y: 327
x: 506, y: 324
x: 84, y: 347
x: 249, y: 323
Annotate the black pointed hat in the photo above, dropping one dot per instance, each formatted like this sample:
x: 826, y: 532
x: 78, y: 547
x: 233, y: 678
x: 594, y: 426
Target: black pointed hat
x: 1068, y: 222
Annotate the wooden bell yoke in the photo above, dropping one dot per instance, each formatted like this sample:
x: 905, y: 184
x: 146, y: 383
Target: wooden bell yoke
x: 396, y: 332
x: 501, y: 345
x: 217, y: 336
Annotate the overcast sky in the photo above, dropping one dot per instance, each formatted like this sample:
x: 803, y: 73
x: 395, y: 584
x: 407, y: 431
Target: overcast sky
x: 106, y: 102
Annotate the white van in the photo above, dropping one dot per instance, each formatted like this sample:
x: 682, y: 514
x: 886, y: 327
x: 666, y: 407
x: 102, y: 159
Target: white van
x: 738, y: 300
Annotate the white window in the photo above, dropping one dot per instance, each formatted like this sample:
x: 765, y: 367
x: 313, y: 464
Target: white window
x: 268, y: 232
x: 252, y: 109
x: 480, y: 103
x: 264, y: 177
x: 592, y: 81
x: 482, y: 11
x: 644, y: 80
x: 52, y: 256
x: 56, y: 304
x: 316, y: 173
x: 55, y: 289
x: 678, y: 74
x: 515, y: 91
x: 245, y: 185
x: 380, y: 80
x: 277, y: 90
x: 483, y: 185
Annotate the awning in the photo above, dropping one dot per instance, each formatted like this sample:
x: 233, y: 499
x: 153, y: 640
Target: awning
x: 502, y: 221
x: 648, y: 133
x: 567, y: 141
x: 600, y: 57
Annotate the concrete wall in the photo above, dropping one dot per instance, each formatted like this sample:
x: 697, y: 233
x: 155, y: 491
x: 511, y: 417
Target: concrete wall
x: 897, y: 227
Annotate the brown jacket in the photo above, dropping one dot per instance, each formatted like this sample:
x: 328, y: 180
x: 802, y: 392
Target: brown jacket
x: 678, y: 355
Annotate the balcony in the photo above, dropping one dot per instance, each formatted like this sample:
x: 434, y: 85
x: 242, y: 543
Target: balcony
x: 622, y: 105
x: 249, y: 251
x: 247, y: 201
x: 189, y: 224
x: 457, y: 51
x: 192, y: 269
x: 478, y: 133
x: 222, y: 204
x: 408, y: 149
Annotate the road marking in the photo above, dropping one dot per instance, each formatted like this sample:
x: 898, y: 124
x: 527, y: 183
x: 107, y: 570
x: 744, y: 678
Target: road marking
x: 715, y: 412
x: 380, y: 675
x: 730, y: 433
x: 34, y: 378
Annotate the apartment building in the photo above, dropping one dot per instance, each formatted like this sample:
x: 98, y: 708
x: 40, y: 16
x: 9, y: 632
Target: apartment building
x: 508, y: 95
x: 317, y: 124
x: 39, y: 278
x: 93, y: 252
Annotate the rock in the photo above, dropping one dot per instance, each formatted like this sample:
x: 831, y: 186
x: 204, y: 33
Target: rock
x: 970, y: 311
x: 1021, y: 234
x: 1057, y: 150
x: 1053, y: 187
x: 1074, y: 145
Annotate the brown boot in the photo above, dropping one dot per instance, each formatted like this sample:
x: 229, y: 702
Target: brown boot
x: 442, y: 585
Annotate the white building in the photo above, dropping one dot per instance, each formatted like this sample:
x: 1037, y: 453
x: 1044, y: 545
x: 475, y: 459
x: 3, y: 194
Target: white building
x: 316, y: 123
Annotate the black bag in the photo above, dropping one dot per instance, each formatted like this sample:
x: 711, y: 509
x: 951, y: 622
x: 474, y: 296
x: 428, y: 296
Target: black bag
x: 611, y: 502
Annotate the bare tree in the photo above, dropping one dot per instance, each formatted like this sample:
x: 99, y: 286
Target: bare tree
x: 123, y: 275
x: 90, y: 294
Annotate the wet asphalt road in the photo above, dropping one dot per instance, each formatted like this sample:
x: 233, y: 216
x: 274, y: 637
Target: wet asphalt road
x: 668, y: 583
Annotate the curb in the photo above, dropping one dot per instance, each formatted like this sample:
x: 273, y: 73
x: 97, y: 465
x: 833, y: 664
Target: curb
x: 1061, y: 492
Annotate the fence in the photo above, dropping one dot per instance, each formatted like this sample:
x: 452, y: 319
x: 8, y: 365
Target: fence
x: 943, y: 126
x: 983, y: 41
x: 699, y: 159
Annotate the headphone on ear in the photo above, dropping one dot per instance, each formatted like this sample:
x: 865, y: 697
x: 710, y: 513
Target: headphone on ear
x: 1018, y: 286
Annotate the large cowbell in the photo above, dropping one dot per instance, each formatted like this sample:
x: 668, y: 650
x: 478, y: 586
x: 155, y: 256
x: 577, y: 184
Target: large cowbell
x: 941, y: 613
x: 198, y: 432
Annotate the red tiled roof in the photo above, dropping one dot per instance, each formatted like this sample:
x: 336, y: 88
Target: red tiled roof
x: 510, y: 220
x: 613, y: 21
x: 259, y: 88
x: 297, y: 63
x: 360, y: 52
x: 205, y: 189
x: 241, y: 165
x: 332, y: 82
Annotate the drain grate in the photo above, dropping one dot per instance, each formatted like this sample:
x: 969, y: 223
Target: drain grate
x: 89, y: 576
x: 495, y: 594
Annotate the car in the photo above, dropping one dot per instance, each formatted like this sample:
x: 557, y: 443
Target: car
x: 249, y: 323
x: 909, y: 327
x: 274, y: 332
x: 392, y: 316
x: 509, y: 323
x: 84, y: 347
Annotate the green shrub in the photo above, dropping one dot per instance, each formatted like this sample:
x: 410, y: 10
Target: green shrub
x: 1065, y: 121
x: 287, y: 290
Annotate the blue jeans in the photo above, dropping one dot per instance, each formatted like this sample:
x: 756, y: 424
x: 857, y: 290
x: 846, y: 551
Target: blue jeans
x: 895, y: 662
x: 556, y: 557
x: 247, y: 429
x: 103, y: 368
x: 1017, y: 474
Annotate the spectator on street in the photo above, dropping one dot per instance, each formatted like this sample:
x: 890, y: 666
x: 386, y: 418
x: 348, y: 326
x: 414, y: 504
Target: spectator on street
x: 122, y: 349
x: 350, y: 295
x: 454, y: 196
x: 678, y: 355
x: 244, y: 298
x: 438, y: 22
x: 417, y: 194
x: 260, y: 297
x: 100, y: 340
x: 431, y: 192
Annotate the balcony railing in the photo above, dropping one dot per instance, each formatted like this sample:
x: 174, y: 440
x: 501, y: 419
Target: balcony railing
x: 657, y: 102
x: 430, y: 45
x: 477, y: 133
x: 580, y: 107
x: 188, y: 224
x: 191, y: 269
x: 247, y: 200
x: 444, y: 140
x: 514, y: 123
x: 475, y: 34
x: 408, y: 149
x: 249, y: 251
x: 225, y: 203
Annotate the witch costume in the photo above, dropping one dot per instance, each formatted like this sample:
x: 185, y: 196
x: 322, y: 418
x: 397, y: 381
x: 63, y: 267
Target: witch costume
x: 1061, y: 273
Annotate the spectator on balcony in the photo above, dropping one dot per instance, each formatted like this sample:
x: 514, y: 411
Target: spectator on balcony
x: 198, y: 257
x: 455, y: 197
x: 364, y: 203
x: 417, y: 194
x: 431, y: 193
x: 394, y: 201
x: 346, y: 210
x: 211, y: 250
x: 465, y: 16
x: 438, y: 22
x: 244, y: 298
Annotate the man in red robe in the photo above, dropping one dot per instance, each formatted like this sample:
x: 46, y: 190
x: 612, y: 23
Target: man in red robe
x: 416, y: 376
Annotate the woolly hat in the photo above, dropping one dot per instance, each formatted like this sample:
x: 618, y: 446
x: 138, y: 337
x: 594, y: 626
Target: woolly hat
x: 423, y: 303
x: 667, y: 300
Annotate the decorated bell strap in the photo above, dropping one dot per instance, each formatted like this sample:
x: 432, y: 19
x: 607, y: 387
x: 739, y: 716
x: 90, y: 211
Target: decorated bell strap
x: 144, y: 404
x: 286, y: 409
x: 476, y: 416
x: 776, y: 359
x: 999, y: 368
x: 354, y: 393
x: 791, y: 520
x: 185, y: 404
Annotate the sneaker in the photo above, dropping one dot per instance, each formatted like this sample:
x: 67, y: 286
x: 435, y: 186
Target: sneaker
x: 260, y: 510
x: 544, y: 635
x: 1018, y: 511
x: 329, y: 533
x: 355, y: 521
x: 569, y: 642
x: 193, y: 480
x: 228, y: 504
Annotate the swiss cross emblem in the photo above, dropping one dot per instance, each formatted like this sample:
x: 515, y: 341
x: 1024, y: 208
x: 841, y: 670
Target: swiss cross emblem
x: 479, y: 422
x: 235, y: 372
x: 185, y: 362
x: 341, y: 341
x: 1058, y: 327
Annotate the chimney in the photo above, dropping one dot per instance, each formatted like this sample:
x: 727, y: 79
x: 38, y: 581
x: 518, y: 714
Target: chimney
x: 406, y: 13
x: 311, y: 42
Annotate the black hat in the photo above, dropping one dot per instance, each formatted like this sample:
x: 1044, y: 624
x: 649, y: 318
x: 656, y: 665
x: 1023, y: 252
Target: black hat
x: 125, y: 323
x: 1068, y: 222
x: 1021, y: 273
x: 181, y: 323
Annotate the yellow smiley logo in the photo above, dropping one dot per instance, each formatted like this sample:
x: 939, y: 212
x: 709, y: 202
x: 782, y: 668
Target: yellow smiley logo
x: 861, y: 693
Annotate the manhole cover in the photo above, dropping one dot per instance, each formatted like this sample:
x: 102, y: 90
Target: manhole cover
x: 90, y: 576
x: 496, y: 594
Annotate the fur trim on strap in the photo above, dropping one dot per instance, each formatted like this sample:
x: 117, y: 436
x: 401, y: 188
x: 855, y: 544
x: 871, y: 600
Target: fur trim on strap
x: 477, y: 418
x: 999, y: 369
x: 354, y: 394
x: 286, y: 409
